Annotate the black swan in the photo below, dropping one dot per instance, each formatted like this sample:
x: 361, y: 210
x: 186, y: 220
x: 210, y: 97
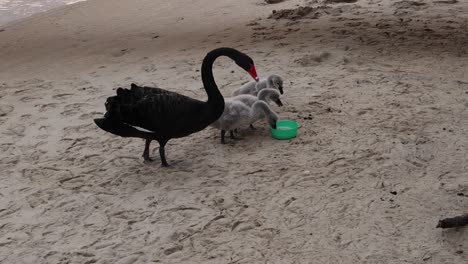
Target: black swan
x: 157, y: 114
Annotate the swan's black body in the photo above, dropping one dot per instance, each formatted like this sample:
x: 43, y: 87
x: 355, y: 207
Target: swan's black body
x: 157, y: 114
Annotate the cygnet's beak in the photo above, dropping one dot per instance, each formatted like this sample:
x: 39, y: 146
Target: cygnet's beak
x: 273, y: 125
x: 280, y: 89
x: 278, y: 102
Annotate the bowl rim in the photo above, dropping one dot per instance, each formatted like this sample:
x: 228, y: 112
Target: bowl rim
x: 294, y: 123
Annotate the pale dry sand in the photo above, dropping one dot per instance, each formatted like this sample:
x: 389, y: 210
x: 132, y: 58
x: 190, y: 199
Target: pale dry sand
x: 379, y: 88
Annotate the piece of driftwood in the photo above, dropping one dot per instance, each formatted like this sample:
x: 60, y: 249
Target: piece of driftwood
x: 453, y: 222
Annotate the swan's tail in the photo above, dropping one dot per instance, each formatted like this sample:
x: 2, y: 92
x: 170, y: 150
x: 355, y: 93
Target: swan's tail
x: 119, y: 128
x: 118, y: 108
x: 116, y: 127
x: 113, y: 122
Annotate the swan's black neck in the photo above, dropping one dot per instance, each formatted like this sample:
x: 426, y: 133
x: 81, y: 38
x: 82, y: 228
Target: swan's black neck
x: 215, y: 97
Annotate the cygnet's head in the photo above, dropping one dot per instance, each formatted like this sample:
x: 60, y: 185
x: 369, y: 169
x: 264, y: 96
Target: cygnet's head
x: 270, y: 94
x: 275, y: 97
x: 277, y: 82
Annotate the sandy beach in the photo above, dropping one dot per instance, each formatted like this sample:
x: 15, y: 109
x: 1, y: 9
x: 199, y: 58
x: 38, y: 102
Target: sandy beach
x: 378, y: 87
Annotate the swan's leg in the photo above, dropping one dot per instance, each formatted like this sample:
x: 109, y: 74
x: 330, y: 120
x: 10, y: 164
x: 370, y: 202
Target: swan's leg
x: 222, y: 136
x: 231, y: 134
x: 146, y: 156
x: 162, y: 153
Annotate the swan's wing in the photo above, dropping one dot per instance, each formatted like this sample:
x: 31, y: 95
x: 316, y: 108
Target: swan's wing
x: 146, y: 90
x: 158, y: 113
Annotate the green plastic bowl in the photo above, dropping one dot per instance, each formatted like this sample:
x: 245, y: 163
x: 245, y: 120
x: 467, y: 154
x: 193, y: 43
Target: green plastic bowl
x: 285, y: 129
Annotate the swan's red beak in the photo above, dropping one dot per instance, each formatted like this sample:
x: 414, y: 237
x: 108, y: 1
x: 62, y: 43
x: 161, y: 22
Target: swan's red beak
x: 253, y: 72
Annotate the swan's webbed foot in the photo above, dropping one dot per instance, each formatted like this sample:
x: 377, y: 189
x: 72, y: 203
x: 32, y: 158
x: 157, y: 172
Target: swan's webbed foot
x: 147, y: 158
x: 145, y: 155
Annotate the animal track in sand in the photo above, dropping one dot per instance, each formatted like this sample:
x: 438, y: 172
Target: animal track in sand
x: 89, y: 115
x: 26, y: 118
x: 340, y: 1
x: 124, y: 161
x: 73, y: 109
x: 62, y: 96
x: 15, y: 130
x: 28, y: 99
x: 80, y: 129
x: 446, y: 2
x: 94, y: 74
x: 299, y: 13
x: 313, y: 60
x: 6, y: 109
x: 149, y: 68
x: 46, y: 107
x: 6, y: 146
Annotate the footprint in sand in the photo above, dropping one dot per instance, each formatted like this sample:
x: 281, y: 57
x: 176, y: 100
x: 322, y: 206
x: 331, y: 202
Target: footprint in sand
x: 15, y: 130
x: 80, y: 129
x: 88, y: 116
x: 313, y: 60
x: 94, y: 74
x: 45, y: 107
x: 26, y: 118
x: 73, y: 109
x: 124, y: 161
x: 449, y: 2
x: 27, y: 99
x: 63, y: 96
x: 409, y: 5
x: 6, y: 109
x: 44, y: 128
x: 340, y: 1
x: 150, y: 68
